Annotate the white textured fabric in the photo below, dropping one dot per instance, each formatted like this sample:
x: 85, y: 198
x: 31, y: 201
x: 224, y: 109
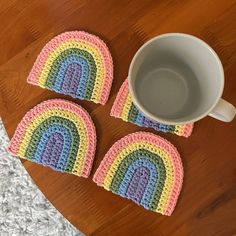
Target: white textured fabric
x: 23, y: 208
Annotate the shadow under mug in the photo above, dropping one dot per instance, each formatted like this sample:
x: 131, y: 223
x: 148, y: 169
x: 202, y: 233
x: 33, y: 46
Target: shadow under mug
x: 177, y: 78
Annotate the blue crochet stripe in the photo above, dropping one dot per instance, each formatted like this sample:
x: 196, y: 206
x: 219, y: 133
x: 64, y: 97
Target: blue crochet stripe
x: 85, y: 70
x: 68, y: 143
x: 143, y: 121
x: 153, y: 180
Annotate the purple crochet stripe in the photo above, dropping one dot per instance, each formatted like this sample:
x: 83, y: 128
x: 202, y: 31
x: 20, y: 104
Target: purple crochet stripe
x: 52, y: 150
x: 138, y: 184
x: 149, y: 123
x: 71, y: 79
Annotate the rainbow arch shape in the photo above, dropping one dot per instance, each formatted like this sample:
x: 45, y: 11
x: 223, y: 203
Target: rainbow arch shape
x: 75, y: 63
x: 124, y: 108
x: 144, y: 168
x: 59, y: 134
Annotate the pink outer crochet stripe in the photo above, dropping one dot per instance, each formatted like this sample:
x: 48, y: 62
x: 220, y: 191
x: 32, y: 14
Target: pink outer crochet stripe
x: 187, y: 129
x: 62, y: 105
x: 81, y: 36
x: 166, y: 146
x: 120, y: 100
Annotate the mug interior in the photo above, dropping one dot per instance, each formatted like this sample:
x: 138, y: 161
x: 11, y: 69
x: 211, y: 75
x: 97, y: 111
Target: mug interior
x: 176, y: 78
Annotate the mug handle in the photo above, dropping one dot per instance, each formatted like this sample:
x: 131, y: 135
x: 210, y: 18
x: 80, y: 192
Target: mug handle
x: 223, y: 111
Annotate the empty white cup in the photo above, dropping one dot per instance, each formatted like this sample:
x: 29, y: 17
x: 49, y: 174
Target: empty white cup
x: 177, y: 78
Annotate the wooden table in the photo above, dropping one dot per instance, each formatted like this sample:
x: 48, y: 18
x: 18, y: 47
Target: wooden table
x: 207, y: 205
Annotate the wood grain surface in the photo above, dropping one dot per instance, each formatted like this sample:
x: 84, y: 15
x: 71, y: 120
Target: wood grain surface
x: 207, y: 204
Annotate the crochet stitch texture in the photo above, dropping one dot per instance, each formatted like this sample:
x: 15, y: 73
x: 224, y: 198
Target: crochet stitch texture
x: 144, y: 168
x: 125, y: 109
x: 59, y: 134
x: 75, y: 63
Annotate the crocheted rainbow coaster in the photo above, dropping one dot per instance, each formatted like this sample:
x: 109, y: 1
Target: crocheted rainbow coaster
x: 59, y: 134
x: 144, y: 168
x: 125, y: 109
x: 75, y: 63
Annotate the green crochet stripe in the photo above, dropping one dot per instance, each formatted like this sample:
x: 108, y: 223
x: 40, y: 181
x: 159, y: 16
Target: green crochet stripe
x: 133, y: 113
x: 64, y: 56
x: 126, y: 162
x: 38, y: 132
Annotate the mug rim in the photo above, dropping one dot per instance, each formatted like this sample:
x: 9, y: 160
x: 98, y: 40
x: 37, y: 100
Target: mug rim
x: 161, y: 120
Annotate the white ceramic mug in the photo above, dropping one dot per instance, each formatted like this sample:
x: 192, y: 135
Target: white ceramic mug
x: 177, y: 78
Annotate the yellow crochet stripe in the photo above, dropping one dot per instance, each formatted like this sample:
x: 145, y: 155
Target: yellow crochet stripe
x: 83, y: 46
x: 126, y: 107
x: 169, y: 182
x: 79, y: 123
x: 179, y: 129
